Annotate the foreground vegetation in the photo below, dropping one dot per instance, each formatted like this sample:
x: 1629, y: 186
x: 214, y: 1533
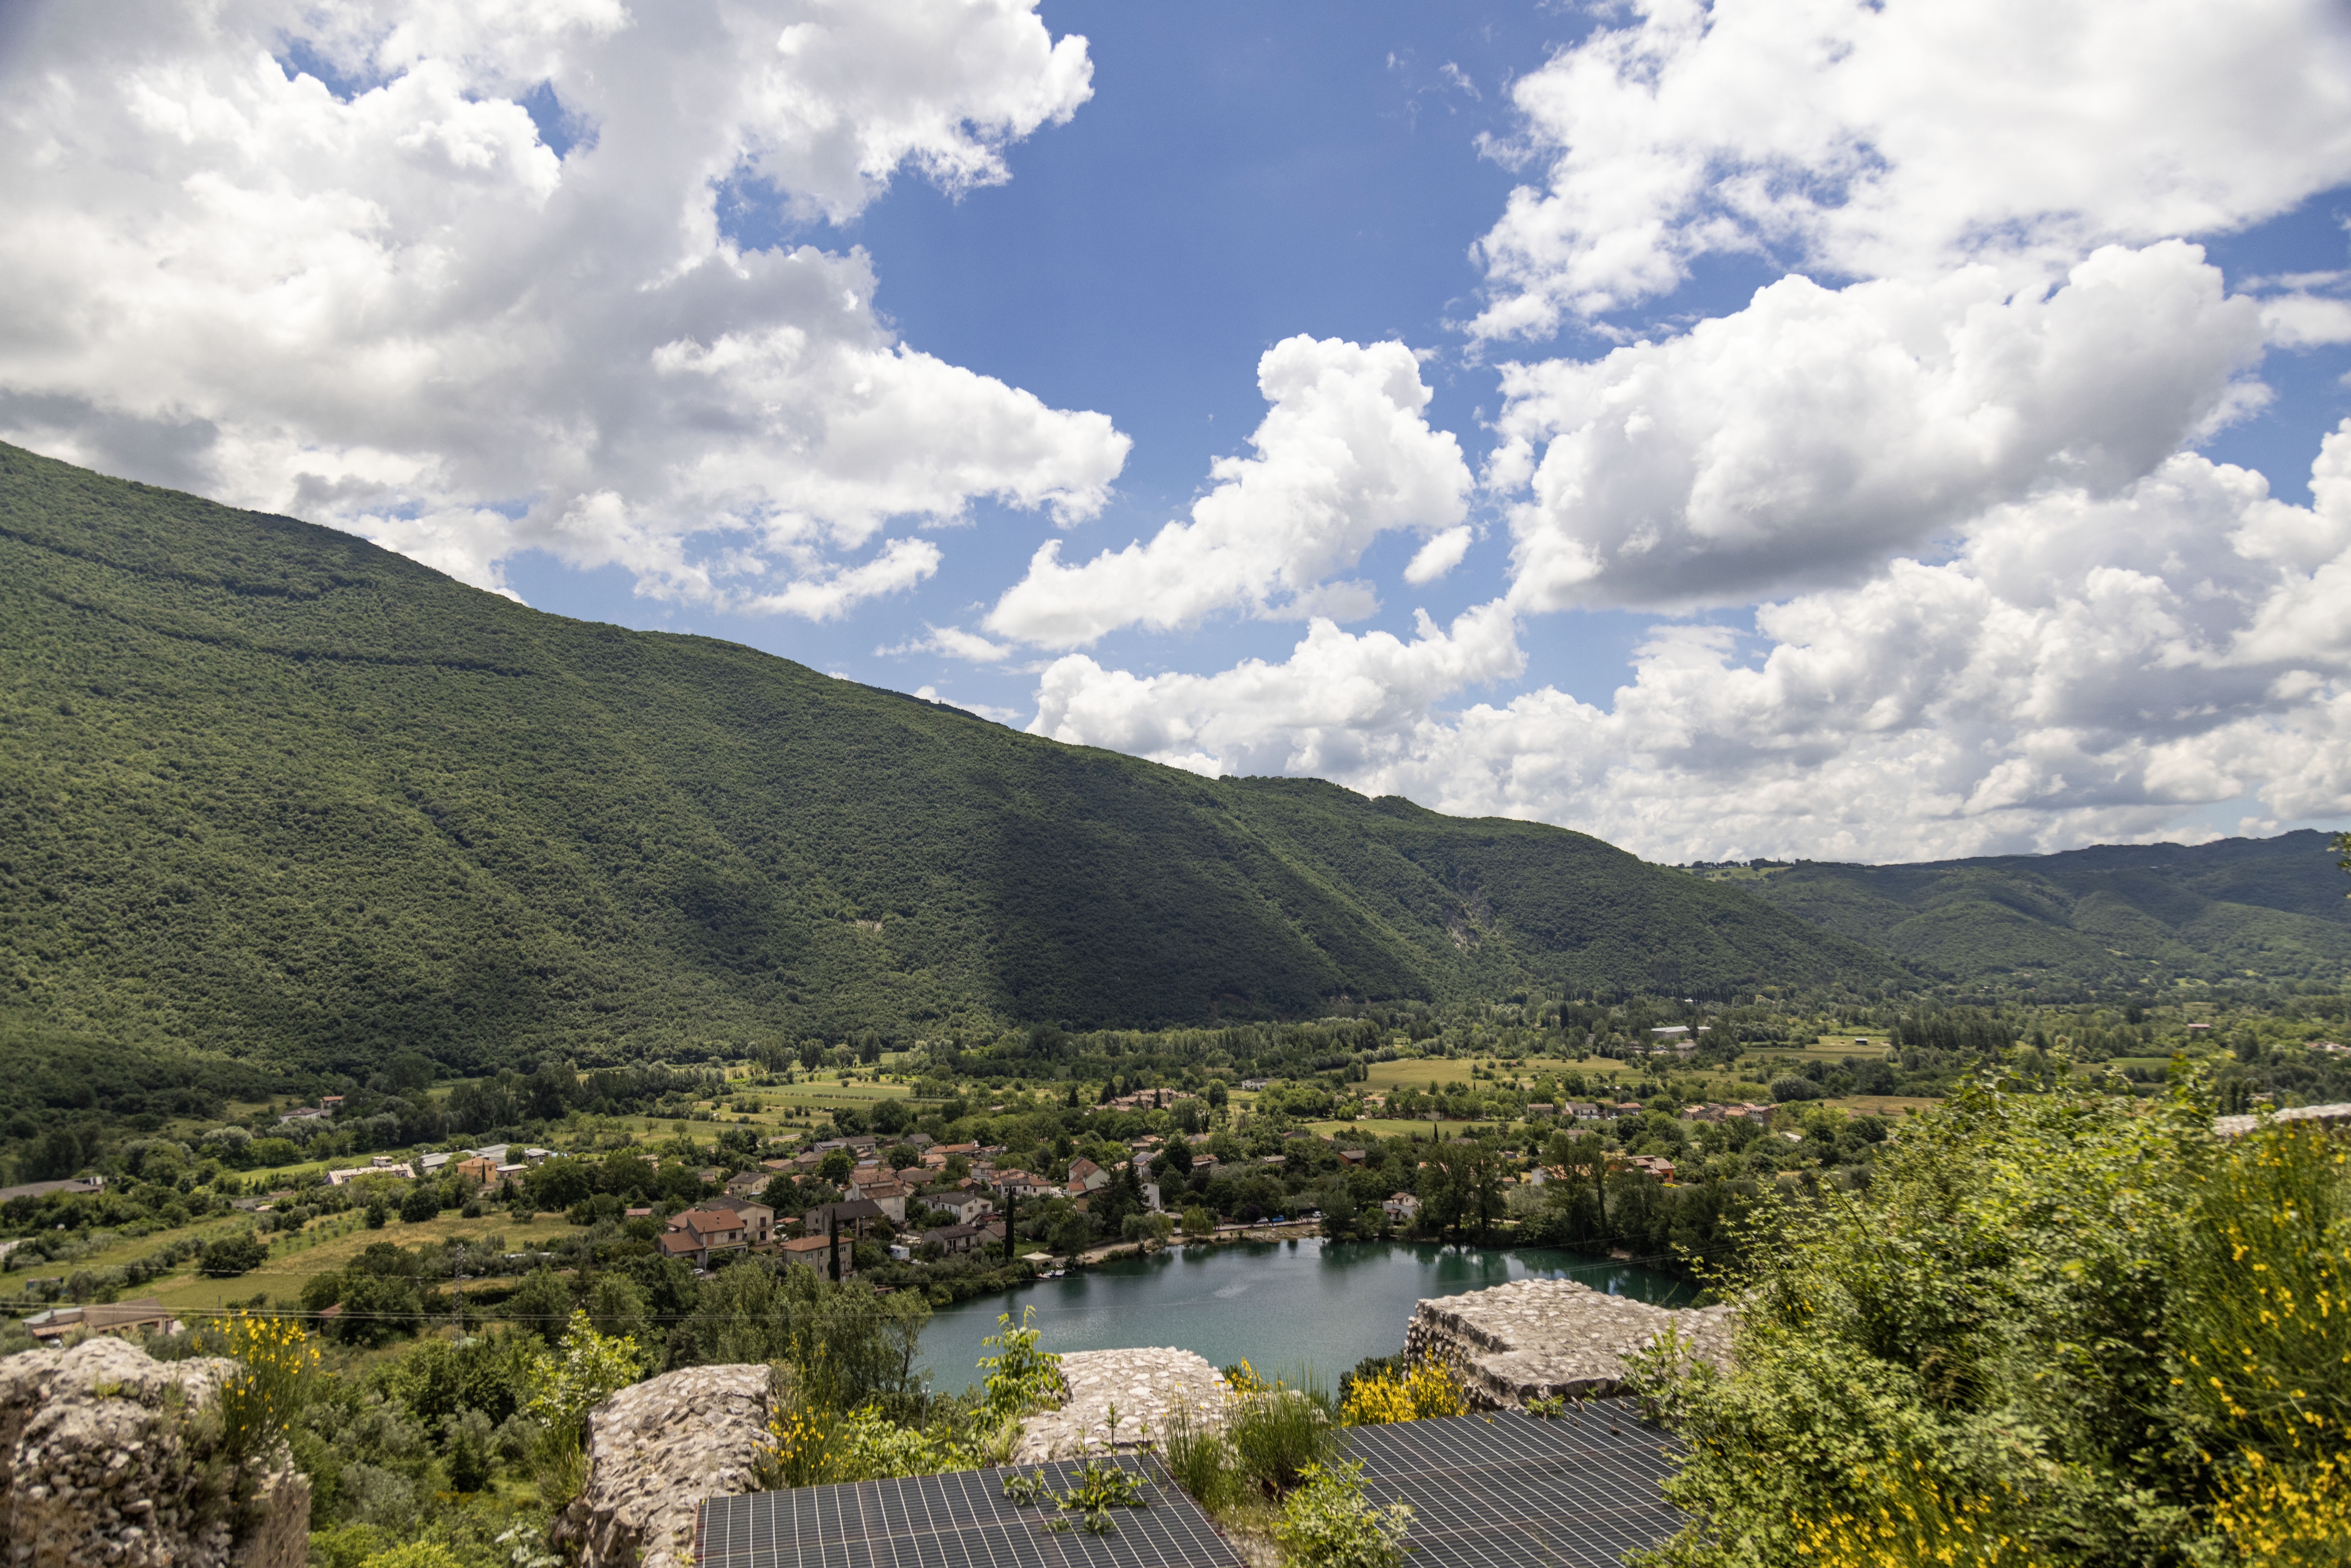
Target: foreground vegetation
x: 2048, y: 1327
x: 2054, y: 1329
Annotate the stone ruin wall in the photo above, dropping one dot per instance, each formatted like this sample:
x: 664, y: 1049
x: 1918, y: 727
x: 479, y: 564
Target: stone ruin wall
x: 1552, y: 1339
x: 658, y: 1448
x: 97, y: 1466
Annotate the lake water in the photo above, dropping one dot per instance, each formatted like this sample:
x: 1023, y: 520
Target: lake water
x: 1285, y: 1306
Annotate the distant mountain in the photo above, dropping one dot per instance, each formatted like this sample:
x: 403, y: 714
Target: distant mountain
x: 266, y: 786
x: 2116, y: 914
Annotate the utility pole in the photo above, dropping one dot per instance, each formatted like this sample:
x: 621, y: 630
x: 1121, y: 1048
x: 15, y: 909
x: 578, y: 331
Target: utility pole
x: 834, y: 1232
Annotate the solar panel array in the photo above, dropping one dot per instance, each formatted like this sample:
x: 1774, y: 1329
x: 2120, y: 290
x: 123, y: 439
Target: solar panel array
x: 1512, y: 1490
x: 962, y: 1519
x: 1500, y: 1490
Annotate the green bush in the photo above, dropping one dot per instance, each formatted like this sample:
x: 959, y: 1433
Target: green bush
x: 1277, y: 1435
x: 1328, y: 1524
x: 1021, y: 1377
x: 2083, y: 1324
x: 541, y: 1304
x: 240, y: 1252
x: 1199, y: 1460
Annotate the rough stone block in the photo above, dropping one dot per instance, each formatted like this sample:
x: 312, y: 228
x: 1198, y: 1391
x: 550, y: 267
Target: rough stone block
x: 1552, y: 1338
x: 1147, y: 1386
x: 655, y: 1451
x: 99, y: 1468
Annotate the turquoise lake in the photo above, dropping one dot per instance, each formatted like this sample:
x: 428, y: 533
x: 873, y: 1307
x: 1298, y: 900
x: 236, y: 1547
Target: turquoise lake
x: 1285, y: 1306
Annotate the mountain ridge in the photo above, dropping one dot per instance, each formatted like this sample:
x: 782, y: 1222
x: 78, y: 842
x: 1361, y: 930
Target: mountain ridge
x: 268, y: 787
x: 2110, y: 914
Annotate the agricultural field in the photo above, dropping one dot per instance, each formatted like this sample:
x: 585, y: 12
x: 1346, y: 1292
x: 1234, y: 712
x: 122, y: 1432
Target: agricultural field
x: 1830, y: 1048
x: 325, y: 1246
x: 1879, y: 1104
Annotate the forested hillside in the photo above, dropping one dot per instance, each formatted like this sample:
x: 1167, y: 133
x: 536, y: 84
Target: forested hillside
x: 2119, y: 915
x: 266, y: 786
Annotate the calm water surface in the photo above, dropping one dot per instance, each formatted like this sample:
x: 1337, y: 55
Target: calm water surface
x: 1284, y: 1306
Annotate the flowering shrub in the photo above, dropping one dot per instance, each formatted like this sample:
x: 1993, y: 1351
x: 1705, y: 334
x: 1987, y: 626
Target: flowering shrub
x: 2287, y: 1518
x: 1428, y: 1389
x: 813, y: 1447
x: 1242, y: 1378
x: 257, y: 1401
x: 561, y: 1387
x: 800, y: 1450
x: 2071, y: 1327
x: 1907, y: 1514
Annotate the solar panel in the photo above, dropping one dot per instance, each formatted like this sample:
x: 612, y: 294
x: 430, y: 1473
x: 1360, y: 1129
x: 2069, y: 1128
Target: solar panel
x: 961, y: 1520
x: 1500, y: 1491
x: 1513, y: 1490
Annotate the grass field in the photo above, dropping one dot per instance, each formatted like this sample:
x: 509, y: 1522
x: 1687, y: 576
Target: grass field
x: 1388, y: 1127
x: 1832, y: 1048
x: 322, y: 1247
x: 326, y: 1245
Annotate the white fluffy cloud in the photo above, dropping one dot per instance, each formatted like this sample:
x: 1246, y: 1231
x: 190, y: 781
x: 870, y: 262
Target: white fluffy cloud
x: 955, y: 643
x: 401, y: 311
x: 1810, y: 436
x: 1339, y: 705
x: 2088, y: 668
x: 1907, y: 137
x: 1344, y: 454
x: 2001, y: 606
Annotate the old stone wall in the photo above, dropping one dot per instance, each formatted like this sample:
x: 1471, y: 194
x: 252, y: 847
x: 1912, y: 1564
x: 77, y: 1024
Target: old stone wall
x: 101, y: 1450
x: 655, y: 1450
x: 1552, y: 1338
x: 1147, y: 1387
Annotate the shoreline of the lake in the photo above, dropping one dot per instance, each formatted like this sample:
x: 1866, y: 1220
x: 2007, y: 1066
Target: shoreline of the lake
x: 1300, y: 1304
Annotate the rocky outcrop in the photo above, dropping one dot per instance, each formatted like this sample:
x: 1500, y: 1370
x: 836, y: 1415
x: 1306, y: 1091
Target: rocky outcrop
x: 2334, y: 1118
x: 1552, y: 1338
x: 1146, y: 1385
x: 105, y: 1463
x: 655, y: 1451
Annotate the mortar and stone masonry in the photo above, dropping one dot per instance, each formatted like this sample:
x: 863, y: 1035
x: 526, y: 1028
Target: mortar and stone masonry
x: 105, y: 1459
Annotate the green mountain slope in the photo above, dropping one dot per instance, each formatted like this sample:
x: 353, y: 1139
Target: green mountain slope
x: 264, y: 785
x: 2114, y: 913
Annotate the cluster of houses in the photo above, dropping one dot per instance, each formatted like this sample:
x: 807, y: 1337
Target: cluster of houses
x: 738, y: 1219
x: 1148, y: 1100
x: 488, y: 1167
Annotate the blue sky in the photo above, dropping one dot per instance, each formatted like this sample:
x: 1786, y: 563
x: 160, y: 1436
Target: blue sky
x: 1242, y: 173
x: 1777, y: 426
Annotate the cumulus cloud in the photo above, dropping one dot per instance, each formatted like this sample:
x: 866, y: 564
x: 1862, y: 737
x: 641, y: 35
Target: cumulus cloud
x: 1810, y: 436
x: 830, y: 595
x: 1438, y: 556
x: 955, y: 643
x: 2306, y: 321
x: 372, y: 292
x: 1340, y: 704
x: 1344, y: 454
x: 2086, y: 668
x: 1905, y: 138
